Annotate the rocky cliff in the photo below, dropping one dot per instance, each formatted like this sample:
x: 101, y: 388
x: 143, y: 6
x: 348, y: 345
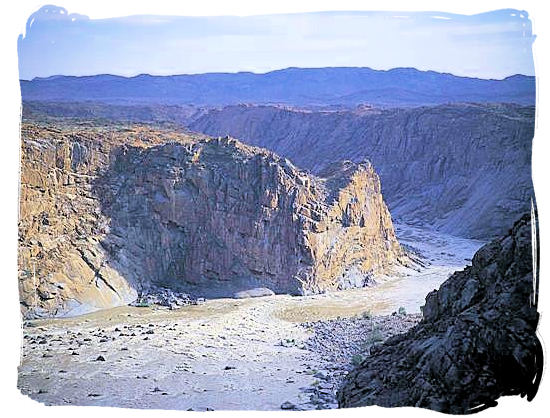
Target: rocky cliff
x: 476, y: 342
x: 109, y: 212
x: 463, y: 168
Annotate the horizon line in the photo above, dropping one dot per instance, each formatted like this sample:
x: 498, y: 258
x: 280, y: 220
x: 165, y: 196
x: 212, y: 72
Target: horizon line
x: 269, y: 72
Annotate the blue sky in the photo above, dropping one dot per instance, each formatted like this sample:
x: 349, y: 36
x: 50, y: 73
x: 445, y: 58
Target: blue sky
x: 489, y: 45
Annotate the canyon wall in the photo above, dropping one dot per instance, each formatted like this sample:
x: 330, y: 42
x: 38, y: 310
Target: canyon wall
x: 61, y: 262
x: 108, y: 212
x: 476, y: 342
x: 462, y: 168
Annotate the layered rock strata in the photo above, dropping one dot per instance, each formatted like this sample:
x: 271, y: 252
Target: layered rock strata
x: 109, y: 213
x: 462, y: 168
x: 476, y: 342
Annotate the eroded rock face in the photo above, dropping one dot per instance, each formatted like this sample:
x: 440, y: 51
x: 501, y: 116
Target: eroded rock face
x: 108, y: 213
x: 62, y: 265
x: 462, y: 168
x: 355, y: 233
x: 476, y: 341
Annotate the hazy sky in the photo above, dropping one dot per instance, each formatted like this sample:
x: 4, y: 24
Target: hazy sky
x: 489, y: 45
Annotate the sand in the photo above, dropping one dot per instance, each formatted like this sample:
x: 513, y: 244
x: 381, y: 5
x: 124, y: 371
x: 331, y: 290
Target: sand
x: 223, y: 354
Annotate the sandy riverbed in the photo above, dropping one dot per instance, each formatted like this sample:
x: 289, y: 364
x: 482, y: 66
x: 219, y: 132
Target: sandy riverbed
x: 224, y: 354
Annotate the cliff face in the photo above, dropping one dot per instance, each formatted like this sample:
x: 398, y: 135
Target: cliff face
x: 107, y: 213
x: 463, y: 168
x: 61, y: 262
x: 477, y: 340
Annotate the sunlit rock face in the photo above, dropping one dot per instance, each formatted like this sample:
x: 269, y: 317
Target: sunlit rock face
x: 477, y: 340
x: 62, y: 265
x: 107, y: 213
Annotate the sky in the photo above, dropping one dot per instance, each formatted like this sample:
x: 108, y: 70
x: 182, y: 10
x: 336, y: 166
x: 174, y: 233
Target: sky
x: 489, y: 45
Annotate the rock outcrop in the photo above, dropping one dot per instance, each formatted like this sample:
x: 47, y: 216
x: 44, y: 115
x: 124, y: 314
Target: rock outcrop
x: 107, y: 213
x: 462, y: 168
x: 62, y: 265
x: 476, y: 342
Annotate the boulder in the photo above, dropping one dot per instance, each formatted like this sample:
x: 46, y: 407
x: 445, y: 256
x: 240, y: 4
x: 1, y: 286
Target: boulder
x: 254, y: 293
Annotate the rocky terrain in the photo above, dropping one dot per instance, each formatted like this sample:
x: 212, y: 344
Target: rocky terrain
x: 151, y: 219
x: 109, y: 113
x: 342, y: 343
x: 110, y: 212
x: 225, y: 354
x: 207, y: 357
x: 288, y: 352
x: 462, y: 168
x: 476, y: 342
x: 61, y: 262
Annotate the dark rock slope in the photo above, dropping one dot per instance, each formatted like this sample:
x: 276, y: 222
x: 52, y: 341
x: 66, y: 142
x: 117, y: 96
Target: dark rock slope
x: 109, y: 212
x: 477, y: 340
x: 464, y: 168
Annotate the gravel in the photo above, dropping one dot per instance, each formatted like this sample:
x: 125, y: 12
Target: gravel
x: 343, y: 343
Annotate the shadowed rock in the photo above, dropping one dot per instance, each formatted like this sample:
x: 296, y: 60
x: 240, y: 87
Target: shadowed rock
x: 476, y: 342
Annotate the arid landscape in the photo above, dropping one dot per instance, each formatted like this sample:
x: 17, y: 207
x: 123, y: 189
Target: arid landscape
x: 286, y: 350
x: 297, y: 239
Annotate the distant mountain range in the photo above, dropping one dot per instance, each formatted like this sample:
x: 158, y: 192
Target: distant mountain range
x: 315, y: 87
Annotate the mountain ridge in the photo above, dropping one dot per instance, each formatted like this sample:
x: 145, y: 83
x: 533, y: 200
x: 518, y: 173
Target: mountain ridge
x: 394, y: 69
x: 346, y: 86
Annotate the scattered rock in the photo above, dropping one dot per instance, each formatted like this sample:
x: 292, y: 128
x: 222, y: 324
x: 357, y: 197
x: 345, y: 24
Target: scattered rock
x: 288, y: 405
x: 162, y: 297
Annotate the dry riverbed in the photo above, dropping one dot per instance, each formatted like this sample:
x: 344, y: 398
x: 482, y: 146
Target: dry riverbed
x: 263, y: 353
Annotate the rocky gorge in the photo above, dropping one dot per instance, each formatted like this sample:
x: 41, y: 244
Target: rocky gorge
x: 309, y: 352
x: 126, y: 228
x: 290, y: 352
x: 179, y: 250
x: 107, y: 213
x: 305, y: 210
x: 462, y: 168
